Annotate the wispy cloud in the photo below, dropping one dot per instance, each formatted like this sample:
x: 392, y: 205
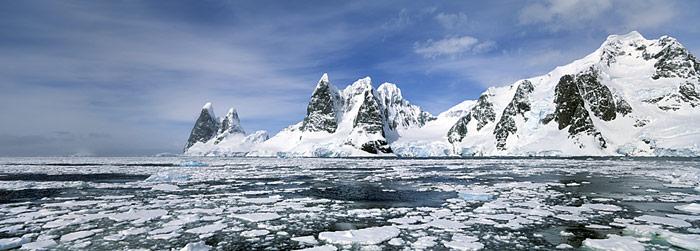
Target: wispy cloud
x: 453, y: 46
x: 452, y: 20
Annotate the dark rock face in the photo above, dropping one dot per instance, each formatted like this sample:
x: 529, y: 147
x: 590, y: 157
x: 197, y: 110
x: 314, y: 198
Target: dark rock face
x: 689, y: 94
x: 204, y: 129
x: 622, y: 107
x: 482, y: 113
x: 598, y: 96
x: 321, y: 113
x: 571, y: 111
x: 459, y: 129
x: 370, y: 117
x: 376, y: 146
x: 674, y: 60
x: 517, y: 106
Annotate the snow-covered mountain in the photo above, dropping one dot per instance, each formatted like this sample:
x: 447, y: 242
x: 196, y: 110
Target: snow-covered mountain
x: 358, y: 120
x: 220, y: 137
x: 631, y: 96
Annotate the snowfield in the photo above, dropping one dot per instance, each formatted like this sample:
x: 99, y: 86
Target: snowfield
x: 183, y: 203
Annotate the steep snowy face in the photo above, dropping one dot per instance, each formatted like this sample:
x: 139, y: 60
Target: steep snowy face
x: 256, y: 137
x: 518, y: 106
x: 322, y: 111
x: 205, y: 128
x: 400, y: 113
x: 368, y: 125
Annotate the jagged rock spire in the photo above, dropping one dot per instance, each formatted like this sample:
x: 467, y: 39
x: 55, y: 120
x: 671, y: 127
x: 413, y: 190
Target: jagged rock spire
x: 205, y: 128
x: 321, y: 113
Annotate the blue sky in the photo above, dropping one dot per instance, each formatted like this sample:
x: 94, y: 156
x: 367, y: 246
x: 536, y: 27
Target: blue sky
x: 129, y: 77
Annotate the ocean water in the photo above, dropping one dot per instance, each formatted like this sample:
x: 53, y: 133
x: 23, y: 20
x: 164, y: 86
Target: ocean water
x: 360, y: 204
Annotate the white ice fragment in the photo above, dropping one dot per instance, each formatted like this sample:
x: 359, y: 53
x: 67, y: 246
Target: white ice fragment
x: 10, y: 243
x: 327, y: 247
x: 614, y: 243
x: 196, y: 246
x: 463, y: 242
x: 475, y: 195
x: 663, y: 221
x: 165, y: 187
x: 564, y: 246
x: 140, y: 215
x: 691, y: 208
x: 366, y: 236
x: 39, y: 245
x: 424, y: 242
x: 602, y: 207
x: 447, y: 224
x: 264, y: 200
x: 254, y: 233
x: 207, y: 228
x: 257, y: 217
x: 310, y: 239
x: 77, y: 235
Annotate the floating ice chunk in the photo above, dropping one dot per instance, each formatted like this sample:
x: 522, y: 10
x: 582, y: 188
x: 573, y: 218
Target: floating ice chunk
x: 10, y: 243
x: 257, y: 217
x: 475, y: 195
x: 424, y: 242
x: 463, y: 242
x: 602, y: 207
x: 196, y: 246
x: 614, y: 243
x: 569, y: 217
x: 192, y: 163
x: 564, y: 246
x: 691, y: 208
x: 320, y: 248
x: 310, y: 239
x: 264, y: 200
x: 165, y: 187
x: 596, y: 226
x: 254, y: 233
x: 663, y: 221
x: 687, y: 241
x: 77, y: 235
x: 141, y: 215
x: 366, y: 236
x: 39, y: 245
x: 447, y: 224
x: 168, y: 177
x: 207, y: 228
x: 396, y: 242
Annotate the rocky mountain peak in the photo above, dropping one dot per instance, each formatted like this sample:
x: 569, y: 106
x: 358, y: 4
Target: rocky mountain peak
x: 205, y: 128
x: 322, y: 111
x: 231, y: 123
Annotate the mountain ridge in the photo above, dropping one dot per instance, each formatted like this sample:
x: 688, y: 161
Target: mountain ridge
x: 631, y: 96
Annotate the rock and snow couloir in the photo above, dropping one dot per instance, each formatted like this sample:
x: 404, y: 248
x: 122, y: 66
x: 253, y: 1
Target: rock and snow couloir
x: 632, y: 96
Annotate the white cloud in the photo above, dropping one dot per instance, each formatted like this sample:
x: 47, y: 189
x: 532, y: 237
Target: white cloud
x: 452, y: 46
x: 452, y: 20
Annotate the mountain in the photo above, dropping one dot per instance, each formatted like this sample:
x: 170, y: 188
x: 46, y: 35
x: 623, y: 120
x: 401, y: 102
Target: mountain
x: 632, y: 96
x: 358, y: 120
x: 220, y: 136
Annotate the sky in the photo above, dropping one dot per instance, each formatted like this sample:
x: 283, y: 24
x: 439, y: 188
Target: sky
x: 128, y: 78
